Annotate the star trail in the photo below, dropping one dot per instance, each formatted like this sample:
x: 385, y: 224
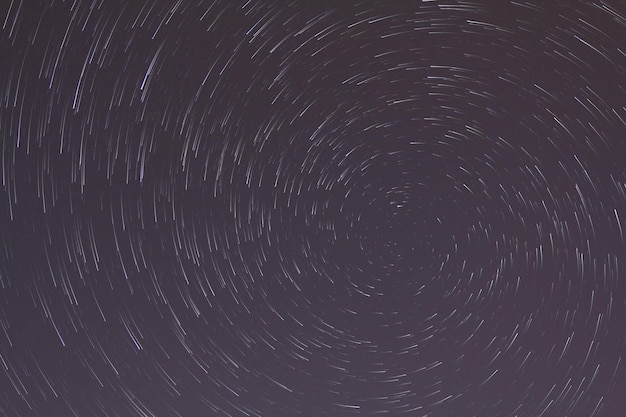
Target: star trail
x: 312, y: 208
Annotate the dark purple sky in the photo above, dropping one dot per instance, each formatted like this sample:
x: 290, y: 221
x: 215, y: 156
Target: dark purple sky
x: 312, y: 208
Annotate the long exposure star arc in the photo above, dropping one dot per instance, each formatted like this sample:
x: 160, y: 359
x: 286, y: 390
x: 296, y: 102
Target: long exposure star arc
x: 280, y: 209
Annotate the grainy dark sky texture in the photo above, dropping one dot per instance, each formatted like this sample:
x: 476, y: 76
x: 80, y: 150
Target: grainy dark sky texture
x: 312, y: 208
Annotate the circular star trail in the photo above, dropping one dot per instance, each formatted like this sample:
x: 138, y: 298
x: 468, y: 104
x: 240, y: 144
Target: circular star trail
x: 281, y: 209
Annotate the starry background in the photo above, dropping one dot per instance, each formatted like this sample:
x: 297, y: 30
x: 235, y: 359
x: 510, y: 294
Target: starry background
x: 312, y: 208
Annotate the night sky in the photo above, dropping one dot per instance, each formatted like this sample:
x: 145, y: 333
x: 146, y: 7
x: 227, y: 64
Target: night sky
x: 312, y: 208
